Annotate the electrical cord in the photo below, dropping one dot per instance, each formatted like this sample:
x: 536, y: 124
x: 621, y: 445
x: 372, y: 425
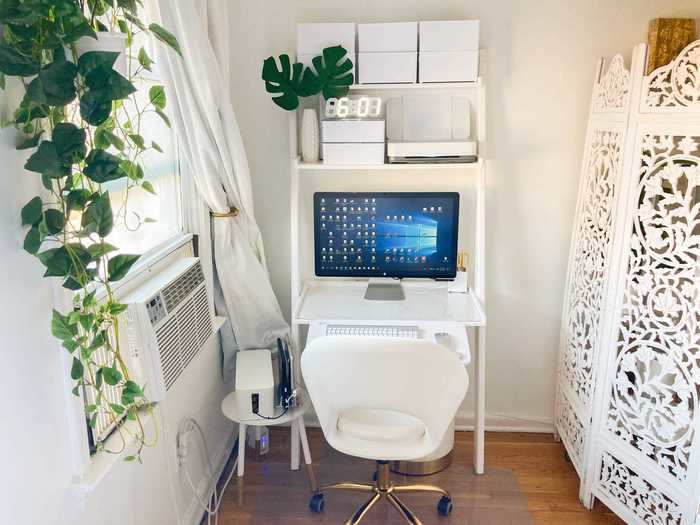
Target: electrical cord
x: 215, y: 498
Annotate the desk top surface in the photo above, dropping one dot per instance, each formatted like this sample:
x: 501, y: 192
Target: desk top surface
x: 338, y: 300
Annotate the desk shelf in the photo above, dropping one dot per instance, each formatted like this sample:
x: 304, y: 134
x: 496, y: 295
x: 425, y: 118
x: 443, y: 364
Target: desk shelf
x: 316, y: 166
x: 343, y: 300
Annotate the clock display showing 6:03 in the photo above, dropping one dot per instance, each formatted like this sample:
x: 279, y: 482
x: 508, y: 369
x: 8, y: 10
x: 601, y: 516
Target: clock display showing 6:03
x: 353, y: 107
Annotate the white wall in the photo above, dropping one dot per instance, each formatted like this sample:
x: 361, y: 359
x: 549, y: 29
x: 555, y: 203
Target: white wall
x: 540, y: 60
x: 37, y: 483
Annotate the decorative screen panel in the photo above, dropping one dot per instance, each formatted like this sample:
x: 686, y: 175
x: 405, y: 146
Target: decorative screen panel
x: 675, y: 87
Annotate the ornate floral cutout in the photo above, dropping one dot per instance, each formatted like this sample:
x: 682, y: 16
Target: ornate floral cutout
x: 613, y: 91
x: 654, y: 396
x: 638, y: 495
x: 676, y: 85
x: 590, y: 263
x: 570, y: 429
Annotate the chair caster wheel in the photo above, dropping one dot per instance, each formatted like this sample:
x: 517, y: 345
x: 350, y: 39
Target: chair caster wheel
x: 444, y: 506
x: 316, y: 503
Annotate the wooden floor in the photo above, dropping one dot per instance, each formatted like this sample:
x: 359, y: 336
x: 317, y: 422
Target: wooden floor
x: 545, y: 479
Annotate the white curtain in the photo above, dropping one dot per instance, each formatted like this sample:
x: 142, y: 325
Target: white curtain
x: 200, y: 106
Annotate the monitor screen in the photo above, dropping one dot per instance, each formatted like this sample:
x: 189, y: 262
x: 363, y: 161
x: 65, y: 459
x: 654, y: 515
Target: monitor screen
x: 386, y: 234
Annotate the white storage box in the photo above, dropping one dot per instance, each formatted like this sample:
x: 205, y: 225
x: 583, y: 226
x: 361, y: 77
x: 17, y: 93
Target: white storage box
x: 449, y: 51
x: 448, y: 66
x: 349, y: 153
x: 255, y: 384
x: 313, y: 38
x: 352, y: 131
x: 387, y: 53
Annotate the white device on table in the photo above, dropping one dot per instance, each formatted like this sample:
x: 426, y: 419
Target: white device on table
x: 352, y: 130
x: 452, y: 336
x: 255, y: 384
x: 429, y: 128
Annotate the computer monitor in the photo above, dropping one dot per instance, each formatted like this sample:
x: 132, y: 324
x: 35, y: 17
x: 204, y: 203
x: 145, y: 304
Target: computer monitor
x: 386, y: 234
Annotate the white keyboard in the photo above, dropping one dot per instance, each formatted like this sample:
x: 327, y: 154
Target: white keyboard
x: 405, y: 332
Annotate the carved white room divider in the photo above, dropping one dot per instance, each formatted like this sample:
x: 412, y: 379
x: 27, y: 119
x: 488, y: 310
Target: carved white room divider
x: 629, y: 376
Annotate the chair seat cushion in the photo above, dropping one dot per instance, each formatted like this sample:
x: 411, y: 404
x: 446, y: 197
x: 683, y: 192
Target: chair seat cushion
x: 371, y: 424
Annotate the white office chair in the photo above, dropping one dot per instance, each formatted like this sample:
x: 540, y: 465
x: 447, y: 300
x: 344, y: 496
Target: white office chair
x: 383, y: 399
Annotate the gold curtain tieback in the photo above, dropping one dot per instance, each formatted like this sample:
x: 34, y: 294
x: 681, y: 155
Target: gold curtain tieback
x: 232, y: 212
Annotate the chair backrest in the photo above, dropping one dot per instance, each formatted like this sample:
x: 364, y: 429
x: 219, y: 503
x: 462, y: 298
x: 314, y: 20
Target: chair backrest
x: 416, y: 377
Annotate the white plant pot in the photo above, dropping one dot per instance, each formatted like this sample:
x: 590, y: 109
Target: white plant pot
x: 106, y: 41
x: 309, y: 136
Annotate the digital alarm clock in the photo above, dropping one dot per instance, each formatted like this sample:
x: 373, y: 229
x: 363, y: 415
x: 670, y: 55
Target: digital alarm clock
x: 353, y: 108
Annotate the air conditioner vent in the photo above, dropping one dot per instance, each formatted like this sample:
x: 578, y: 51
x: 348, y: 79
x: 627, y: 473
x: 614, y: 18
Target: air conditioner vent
x: 175, y: 292
x: 168, y: 341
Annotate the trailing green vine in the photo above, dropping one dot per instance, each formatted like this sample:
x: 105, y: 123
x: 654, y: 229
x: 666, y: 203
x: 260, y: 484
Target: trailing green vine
x: 82, y: 122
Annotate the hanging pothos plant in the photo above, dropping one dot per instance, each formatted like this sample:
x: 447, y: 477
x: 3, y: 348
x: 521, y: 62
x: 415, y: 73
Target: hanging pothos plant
x: 82, y: 123
x: 331, y: 75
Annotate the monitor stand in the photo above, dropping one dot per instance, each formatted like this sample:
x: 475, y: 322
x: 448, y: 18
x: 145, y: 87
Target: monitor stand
x: 384, y: 289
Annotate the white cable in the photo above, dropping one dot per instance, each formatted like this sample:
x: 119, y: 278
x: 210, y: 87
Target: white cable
x: 215, y: 497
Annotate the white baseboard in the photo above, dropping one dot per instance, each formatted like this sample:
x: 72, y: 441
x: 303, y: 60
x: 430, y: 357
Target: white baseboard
x: 194, y: 512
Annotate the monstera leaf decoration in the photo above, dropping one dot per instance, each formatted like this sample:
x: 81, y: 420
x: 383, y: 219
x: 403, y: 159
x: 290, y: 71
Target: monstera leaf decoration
x: 332, y: 77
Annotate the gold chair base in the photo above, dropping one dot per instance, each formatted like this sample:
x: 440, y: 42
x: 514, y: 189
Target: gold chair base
x: 383, y: 487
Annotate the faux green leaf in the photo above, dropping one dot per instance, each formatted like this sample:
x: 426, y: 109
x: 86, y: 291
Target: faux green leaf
x: 137, y: 140
x: 119, y: 266
x: 76, y: 371
x: 109, y: 84
x: 129, y: 459
x: 157, y: 96
x: 55, y: 84
x: 15, y: 64
x: 54, y: 220
x: 70, y: 259
x: 70, y: 142
x: 112, y: 139
x: 112, y: 376
x: 100, y: 249
x: 32, y: 241
x: 144, y: 59
x: 91, y: 60
x: 98, y: 217
x: 333, y: 75
x: 131, y: 18
x: 60, y: 328
x: 117, y: 308
x: 77, y: 199
x: 30, y: 142
x: 31, y: 212
x: 166, y: 37
x: 95, y: 107
x: 71, y: 345
x: 103, y: 167
x: 87, y: 320
x: 285, y: 81
x: 45, y: 160
x: 156, y: 146
x: 29, y: 111
x: 163, y: 116
x: 146, y: 185
x: 117, y: 409
x: 131, y: 392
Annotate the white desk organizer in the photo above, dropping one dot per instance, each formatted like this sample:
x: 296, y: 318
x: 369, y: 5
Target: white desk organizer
x: 313, y: 38
x: 353, y: 141
x: 387, y: 52
x: 449, y: 51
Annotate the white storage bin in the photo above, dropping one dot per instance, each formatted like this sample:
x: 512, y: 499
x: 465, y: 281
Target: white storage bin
x: 313, y: 38
x: 352, y: 130
x: 387, y: 68
x: 448, y: 66
x: 395, y: 36
x: 449, y: 35
x: 359, y: 153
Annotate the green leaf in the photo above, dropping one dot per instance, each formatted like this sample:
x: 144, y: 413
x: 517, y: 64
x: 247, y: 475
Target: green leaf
x: 284, y: 81
x: 76, y: 371
x: 3, y: 85
x: 131, y: 18
x: 76, y: 390
x: 54, y: 220
x: 137, y: 140
x: 131, y: 392
x: 45, y: 160
x: 119, y: 266
x: 92, y: 60
x: 30, y: 142
x: 166, y: 37
x: 109, y: 84
x: 112, y: 376
x: 117, y: 308
x: 86, y: 321
x: 157, y: 96
x: 95, y: 107
x: 116, y: 408
x: 163, y: 116
x: 144, y: 59
x: 99, y: 249
x: 93, y: 420
x: 129, y: 459
x: 146, y: 185
x: 98, y: 217
x: 156, y: 146
x: 133, y: 170
x: 90, y: 408
x: 71, y: 345
x: 32, y: 242
x: 29, y: 110
x: 77, y: 199
x: 70, y: 259
x: 70, y: 142
x: 31, y: 212
x: 113, y: 139
x: 15, y: 64
x: 61, y: 328
x: 333, y: 76
x: 55, y: 84
x: 103, y: 167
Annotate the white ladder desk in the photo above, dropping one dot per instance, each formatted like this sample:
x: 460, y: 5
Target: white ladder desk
x: 339, y: 300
